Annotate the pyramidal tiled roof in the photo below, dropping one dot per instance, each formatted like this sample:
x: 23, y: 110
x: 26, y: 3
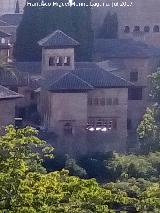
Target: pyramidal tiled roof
x: 83, y: 79
x: 3, y: 23
x: 4, y: 35
x: 5, y: 93
x: 70, y: 81
x: 58, y: 39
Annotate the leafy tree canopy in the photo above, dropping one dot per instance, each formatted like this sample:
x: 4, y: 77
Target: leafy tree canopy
x: 149, y: 128
x: 26, y: 187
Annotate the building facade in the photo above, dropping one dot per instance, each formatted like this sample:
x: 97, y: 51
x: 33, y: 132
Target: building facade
x: 139, y: 21
x: 84, y: 105
x: 10, y: 6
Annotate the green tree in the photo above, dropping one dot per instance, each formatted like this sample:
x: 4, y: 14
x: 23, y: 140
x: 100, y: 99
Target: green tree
x: 123, y: 167
x: 17, y: 7
x: 26, y: 187
x: 145, y: 193
x: 109, y: 28
x: 149, y: 128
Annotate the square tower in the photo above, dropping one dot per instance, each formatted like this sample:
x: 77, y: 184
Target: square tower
x: 57, y: 52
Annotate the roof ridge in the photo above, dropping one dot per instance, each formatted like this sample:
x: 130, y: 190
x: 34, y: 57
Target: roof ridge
x: 59, y: 78
x: 70, y: 73
x: 45, y: 39
x: 81, y: 79
x: 14, y: 94
x: 5, y: 33
x: 118, y: 76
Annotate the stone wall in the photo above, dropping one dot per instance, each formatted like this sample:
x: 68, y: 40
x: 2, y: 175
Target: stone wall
x: 142, y: 13
x: 7, y: 112
x: 61, y: 108
x: 9, y: 6
x: 116, y: 138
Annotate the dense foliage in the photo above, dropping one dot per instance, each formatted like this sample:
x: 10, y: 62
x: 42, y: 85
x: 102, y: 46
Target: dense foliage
x: 26, y: 187
x: 149, y: 128
x: 38, y: 22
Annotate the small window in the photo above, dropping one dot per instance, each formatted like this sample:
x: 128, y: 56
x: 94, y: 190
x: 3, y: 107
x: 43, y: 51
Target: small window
x: 115, y: 101
x: 129, y: 124
x: 156, y: 29
x: 32, y: 95
x: 134, y: 76
x: 67, y: 61
x: 52, y: 61
x: 136, y: 28
x: 102, y: 101
x: 89, y: 101
x: 109, y: 101
x: 68, y: 129
x: 59, y: 61
x: 99, y: 123
x: 95, y: 101
x: 146, y: 29
x: 135, y: 93
x: 127, y: 29
x: 114, y: 123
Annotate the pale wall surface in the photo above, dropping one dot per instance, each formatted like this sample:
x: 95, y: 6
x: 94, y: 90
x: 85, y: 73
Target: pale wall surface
x: 7, y: 112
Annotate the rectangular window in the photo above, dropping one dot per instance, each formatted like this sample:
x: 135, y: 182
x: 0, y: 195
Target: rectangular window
x: 135, y: 93
x: 129, y: 124
x: 102, y: 123
x: 95, y: 101
x: 114, y: 123
x: 115, y: 101
x: 108, y: 101
x: 89, y: 101
x: 133, y: 76
x: 102, y: 101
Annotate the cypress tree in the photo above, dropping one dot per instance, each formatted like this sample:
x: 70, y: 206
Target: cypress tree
x: 17, y: 7
x: 38, y: 22
x: 109, y: 28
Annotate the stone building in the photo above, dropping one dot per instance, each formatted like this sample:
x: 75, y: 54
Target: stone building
x: 83, y: 104
x: 140, y: 21
x: 7, y: 106
x: 134, y: 61
x: 5, y: 47
x: 9, y: 24
x: 10, y: 6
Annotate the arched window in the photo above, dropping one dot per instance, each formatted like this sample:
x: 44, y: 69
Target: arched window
x: 67, y: 61
x: 59, y: 61
x: 156, y: 29
x: 127, y: 29
x: 68, y: 129
x: 136, y: 29
x: 146, y: 29
x: 52, y: 61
